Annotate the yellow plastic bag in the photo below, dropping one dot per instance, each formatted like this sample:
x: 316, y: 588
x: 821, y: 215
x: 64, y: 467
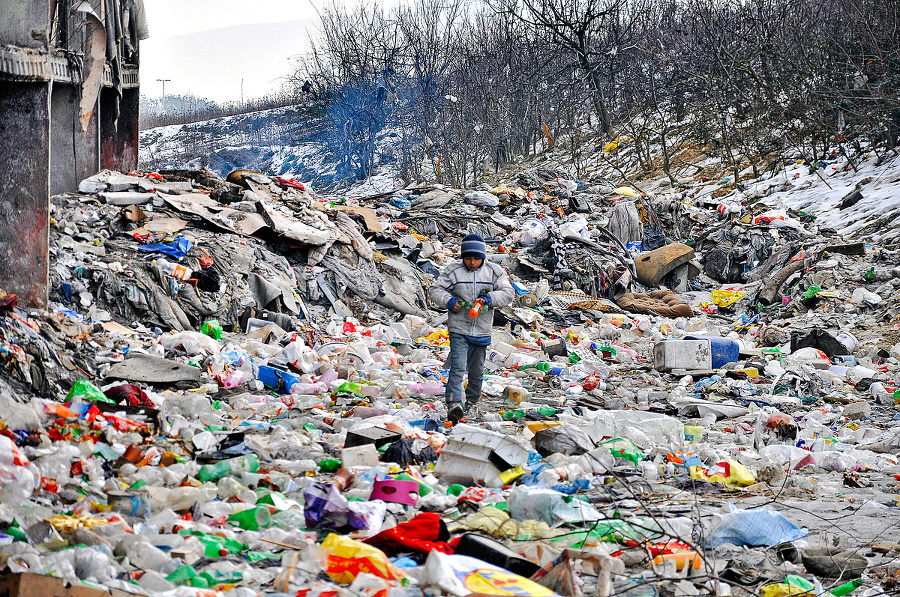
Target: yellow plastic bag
x: 348, y: 558
x: 436, y: 338
x: 625, y: 192
x: 729, y: 473
x: 726, y: 298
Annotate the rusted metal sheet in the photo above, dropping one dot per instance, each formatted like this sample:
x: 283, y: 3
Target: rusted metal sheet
x: 24, y: 190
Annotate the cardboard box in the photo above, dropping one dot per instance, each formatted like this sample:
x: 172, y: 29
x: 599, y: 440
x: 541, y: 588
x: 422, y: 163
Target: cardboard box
x: 36, y: 585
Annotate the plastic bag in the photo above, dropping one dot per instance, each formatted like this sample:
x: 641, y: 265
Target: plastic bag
x: 409, y: 450
x: 348, y: 558
x: 549, y: 506
x: 623, y: 448
x: 726, y: 298
x: 754, y: 528
x: 192, y: 343
x: 729, y: 473
x: 326, y: 508
x: 462, y: 575
x: 482, y: 198
x: 87, y: 390
x: 564, y: 439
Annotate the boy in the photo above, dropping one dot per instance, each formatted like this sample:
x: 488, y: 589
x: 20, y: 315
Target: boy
x: 457, y: 288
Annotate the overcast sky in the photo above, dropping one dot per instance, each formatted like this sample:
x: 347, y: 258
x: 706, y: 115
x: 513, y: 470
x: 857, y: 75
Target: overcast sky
x: 207, y: 48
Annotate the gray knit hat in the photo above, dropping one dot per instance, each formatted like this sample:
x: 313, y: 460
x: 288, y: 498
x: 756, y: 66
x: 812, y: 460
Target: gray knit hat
x: 473, y: 246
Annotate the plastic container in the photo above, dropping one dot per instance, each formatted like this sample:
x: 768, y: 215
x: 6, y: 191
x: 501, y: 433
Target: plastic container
x: 689, y: 559
x: 494, y: 552
x: 426, y: 424
x: 690, y: 355
x: 343, y: 479
x: 277, y: 379
x: 848, y: 341
x: 724, y: 350
x: 173, y: 269
x: 693, y: 434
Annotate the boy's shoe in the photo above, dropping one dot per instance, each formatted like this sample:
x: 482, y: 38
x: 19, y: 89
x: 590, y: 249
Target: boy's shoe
x: 471, y: 410
x: 455, y: 413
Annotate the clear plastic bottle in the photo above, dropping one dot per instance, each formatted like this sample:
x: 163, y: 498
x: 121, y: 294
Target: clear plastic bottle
x: 149, y: 557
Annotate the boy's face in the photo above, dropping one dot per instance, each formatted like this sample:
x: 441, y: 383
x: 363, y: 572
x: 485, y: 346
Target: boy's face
x: 473, y: 263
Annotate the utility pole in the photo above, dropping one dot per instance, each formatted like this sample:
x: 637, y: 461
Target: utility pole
x: 163, y: 81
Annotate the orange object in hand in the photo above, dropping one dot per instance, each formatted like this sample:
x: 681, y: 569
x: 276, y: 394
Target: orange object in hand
x: 476, y: 308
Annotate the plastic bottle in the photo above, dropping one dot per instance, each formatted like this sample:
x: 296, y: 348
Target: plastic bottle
x: 364, y: 412
x: 880, y: 393
x: 475, y: 311
x: 149, y: 557
x: 847, y: 587
x: 343, y: 479
x: 252, y: 519
x: 233, y: 380
x: 173, y: 269
x: 181, y: 498
x: 432, y: 388
x: 552, y: 476
x: 214, y: 472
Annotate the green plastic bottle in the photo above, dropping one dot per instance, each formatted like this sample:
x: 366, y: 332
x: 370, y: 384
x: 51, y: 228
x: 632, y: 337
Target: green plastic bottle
x: 846, y: 588
x: 213, y: 472
x: 252, y: 519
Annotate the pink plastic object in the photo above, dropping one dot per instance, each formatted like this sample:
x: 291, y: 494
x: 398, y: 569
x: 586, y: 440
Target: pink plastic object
x: 396, y: 491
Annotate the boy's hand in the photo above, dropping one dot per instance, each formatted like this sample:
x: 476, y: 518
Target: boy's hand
x: 455, y: 305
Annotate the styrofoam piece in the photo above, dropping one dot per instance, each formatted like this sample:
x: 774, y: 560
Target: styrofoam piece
x: 478, y: 454
x: 682, y: 354
x: 365, y: 455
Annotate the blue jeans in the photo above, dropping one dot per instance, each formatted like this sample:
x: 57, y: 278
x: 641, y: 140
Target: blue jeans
x: 464, y: 358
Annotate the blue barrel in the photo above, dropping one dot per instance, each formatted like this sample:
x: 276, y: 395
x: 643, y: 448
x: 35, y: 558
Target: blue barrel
x: 724, y: 350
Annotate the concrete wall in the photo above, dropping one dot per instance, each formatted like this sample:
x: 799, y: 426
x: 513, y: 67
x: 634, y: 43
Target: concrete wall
x: 73, y: 156
x: 24, y: 189
x: 119, y: 141
x: 18, y: 18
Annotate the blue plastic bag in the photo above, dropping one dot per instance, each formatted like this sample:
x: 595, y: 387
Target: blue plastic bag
x: 754, y: 528
x: 178, y: 248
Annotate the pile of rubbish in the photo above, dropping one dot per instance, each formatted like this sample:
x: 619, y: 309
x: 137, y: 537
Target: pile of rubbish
x: 238, y: 389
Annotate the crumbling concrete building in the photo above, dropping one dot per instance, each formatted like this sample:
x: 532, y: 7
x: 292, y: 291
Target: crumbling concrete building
x: 69, y: 98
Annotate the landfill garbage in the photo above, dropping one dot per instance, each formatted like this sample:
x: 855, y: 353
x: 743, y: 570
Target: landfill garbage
x: 233, y: 396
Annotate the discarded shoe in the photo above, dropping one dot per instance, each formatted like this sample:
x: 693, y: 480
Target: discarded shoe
x: 455, y: 413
